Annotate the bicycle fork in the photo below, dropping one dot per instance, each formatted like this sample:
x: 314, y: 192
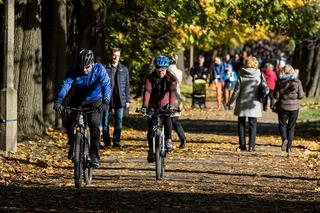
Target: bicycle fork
x: 86, y: 144
x: 161, y: 143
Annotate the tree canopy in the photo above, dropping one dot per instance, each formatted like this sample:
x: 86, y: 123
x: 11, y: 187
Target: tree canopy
x: 165, y: 26
x: 145, y: 28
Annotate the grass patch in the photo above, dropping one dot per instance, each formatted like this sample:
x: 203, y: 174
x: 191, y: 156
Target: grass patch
x: 186, y: 90
x: 309, y: 114
x: 309, y: 109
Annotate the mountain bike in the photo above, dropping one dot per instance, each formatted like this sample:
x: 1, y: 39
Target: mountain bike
x: 83, y: 169
x: 159, y: 149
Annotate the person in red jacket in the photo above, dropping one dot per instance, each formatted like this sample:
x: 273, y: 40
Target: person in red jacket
x: 271, y: 79
x: 160, y: 92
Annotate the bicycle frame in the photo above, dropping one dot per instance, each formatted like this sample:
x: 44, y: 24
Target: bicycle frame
x: 158, y: 138
x: 81, y: 127
x: 81, y: 145
x: 158, y: 130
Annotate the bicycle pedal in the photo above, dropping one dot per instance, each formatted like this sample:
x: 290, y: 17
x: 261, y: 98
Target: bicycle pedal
x: 169, y: 151
x: 163, y: 154
x: 95, y: 166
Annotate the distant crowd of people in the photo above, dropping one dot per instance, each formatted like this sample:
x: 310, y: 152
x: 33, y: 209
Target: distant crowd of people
x: 238, y: 78
x: 223, y: 70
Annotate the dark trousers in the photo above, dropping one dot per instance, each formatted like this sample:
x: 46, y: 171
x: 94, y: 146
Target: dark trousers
x: 178, y: 128
x: 265, y: 101
x: 93, y: 120
x: 287, y: 123
x: 242, y: 131
x: 167, y: 123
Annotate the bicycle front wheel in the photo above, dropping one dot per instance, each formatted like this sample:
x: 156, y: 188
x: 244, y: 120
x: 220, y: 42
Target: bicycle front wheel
x: 87, y: 168
x: 77, y: 164
x: 88, y: 174
x: 159, y: 157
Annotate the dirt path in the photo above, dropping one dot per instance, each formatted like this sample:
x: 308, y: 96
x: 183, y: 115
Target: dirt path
x: 209, y: 175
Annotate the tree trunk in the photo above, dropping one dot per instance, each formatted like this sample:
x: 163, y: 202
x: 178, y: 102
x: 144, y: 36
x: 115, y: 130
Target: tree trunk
x: 307, y: 60
x: 54, y: 52
x: 318, y: 91
x: 61, y: 54
x: 2, y: 27
x: 191, y: 58
x: 86, y: 24
x: 29, y: 68
x: 180, y: 63
x: 20, y: 13
x: 314, y: 84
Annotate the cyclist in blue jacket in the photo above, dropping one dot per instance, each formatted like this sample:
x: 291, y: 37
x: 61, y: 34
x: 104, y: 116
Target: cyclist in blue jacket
x: 91, y: 88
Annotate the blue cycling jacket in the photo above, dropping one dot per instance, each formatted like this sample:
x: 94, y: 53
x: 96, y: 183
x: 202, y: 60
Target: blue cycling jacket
x: 88, y: 87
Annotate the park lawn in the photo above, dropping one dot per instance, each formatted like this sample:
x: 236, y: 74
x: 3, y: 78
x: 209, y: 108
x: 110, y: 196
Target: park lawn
x: 310, y: 109
x: 309, y: 114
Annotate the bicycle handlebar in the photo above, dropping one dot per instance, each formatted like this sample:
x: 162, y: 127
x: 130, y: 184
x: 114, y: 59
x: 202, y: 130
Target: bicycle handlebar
x: 84, y: 110
x: 158, y: 111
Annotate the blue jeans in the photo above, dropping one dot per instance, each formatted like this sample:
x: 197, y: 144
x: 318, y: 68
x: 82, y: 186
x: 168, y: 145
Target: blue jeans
x: 118, y: 115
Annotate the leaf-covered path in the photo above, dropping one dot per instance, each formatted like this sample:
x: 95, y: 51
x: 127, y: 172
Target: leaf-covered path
x: 209, y: 175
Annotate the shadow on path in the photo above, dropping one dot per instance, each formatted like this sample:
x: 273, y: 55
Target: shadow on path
x: 221, y: 127
x: 97, y: 200
x: 193, y: 171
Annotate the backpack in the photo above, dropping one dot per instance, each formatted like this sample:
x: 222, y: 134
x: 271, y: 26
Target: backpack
x: 263, y: 89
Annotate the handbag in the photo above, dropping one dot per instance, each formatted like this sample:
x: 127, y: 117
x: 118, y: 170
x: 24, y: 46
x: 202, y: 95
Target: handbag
x: 274, y: 107
x: 263, y: 89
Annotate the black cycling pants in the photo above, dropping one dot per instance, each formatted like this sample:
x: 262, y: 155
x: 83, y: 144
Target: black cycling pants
x: 167, y: 129
x: 94, y: 120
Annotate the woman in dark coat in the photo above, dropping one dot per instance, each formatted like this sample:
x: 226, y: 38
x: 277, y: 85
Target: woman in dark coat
x: 288, y: 91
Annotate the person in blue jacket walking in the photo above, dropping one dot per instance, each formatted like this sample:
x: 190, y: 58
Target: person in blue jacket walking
x: 91, y: 88
x: 230, y: 80
x: 218, y: 73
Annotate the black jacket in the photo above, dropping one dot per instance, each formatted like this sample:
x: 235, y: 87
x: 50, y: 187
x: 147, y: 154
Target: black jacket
x: 121, y: 82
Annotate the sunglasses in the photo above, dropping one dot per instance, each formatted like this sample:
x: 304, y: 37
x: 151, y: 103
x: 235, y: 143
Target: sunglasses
x: 87, y: 67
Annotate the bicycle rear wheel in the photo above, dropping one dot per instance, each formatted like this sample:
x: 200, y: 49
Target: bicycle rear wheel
x: 159, y: 157
x: 77, y: 164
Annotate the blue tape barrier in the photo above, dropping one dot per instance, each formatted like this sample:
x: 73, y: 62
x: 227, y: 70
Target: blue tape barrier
x: 8, y: 120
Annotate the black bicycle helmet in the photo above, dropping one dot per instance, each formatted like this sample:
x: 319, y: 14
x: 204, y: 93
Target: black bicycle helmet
x: 86, y: 57
x: 161, y: 61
